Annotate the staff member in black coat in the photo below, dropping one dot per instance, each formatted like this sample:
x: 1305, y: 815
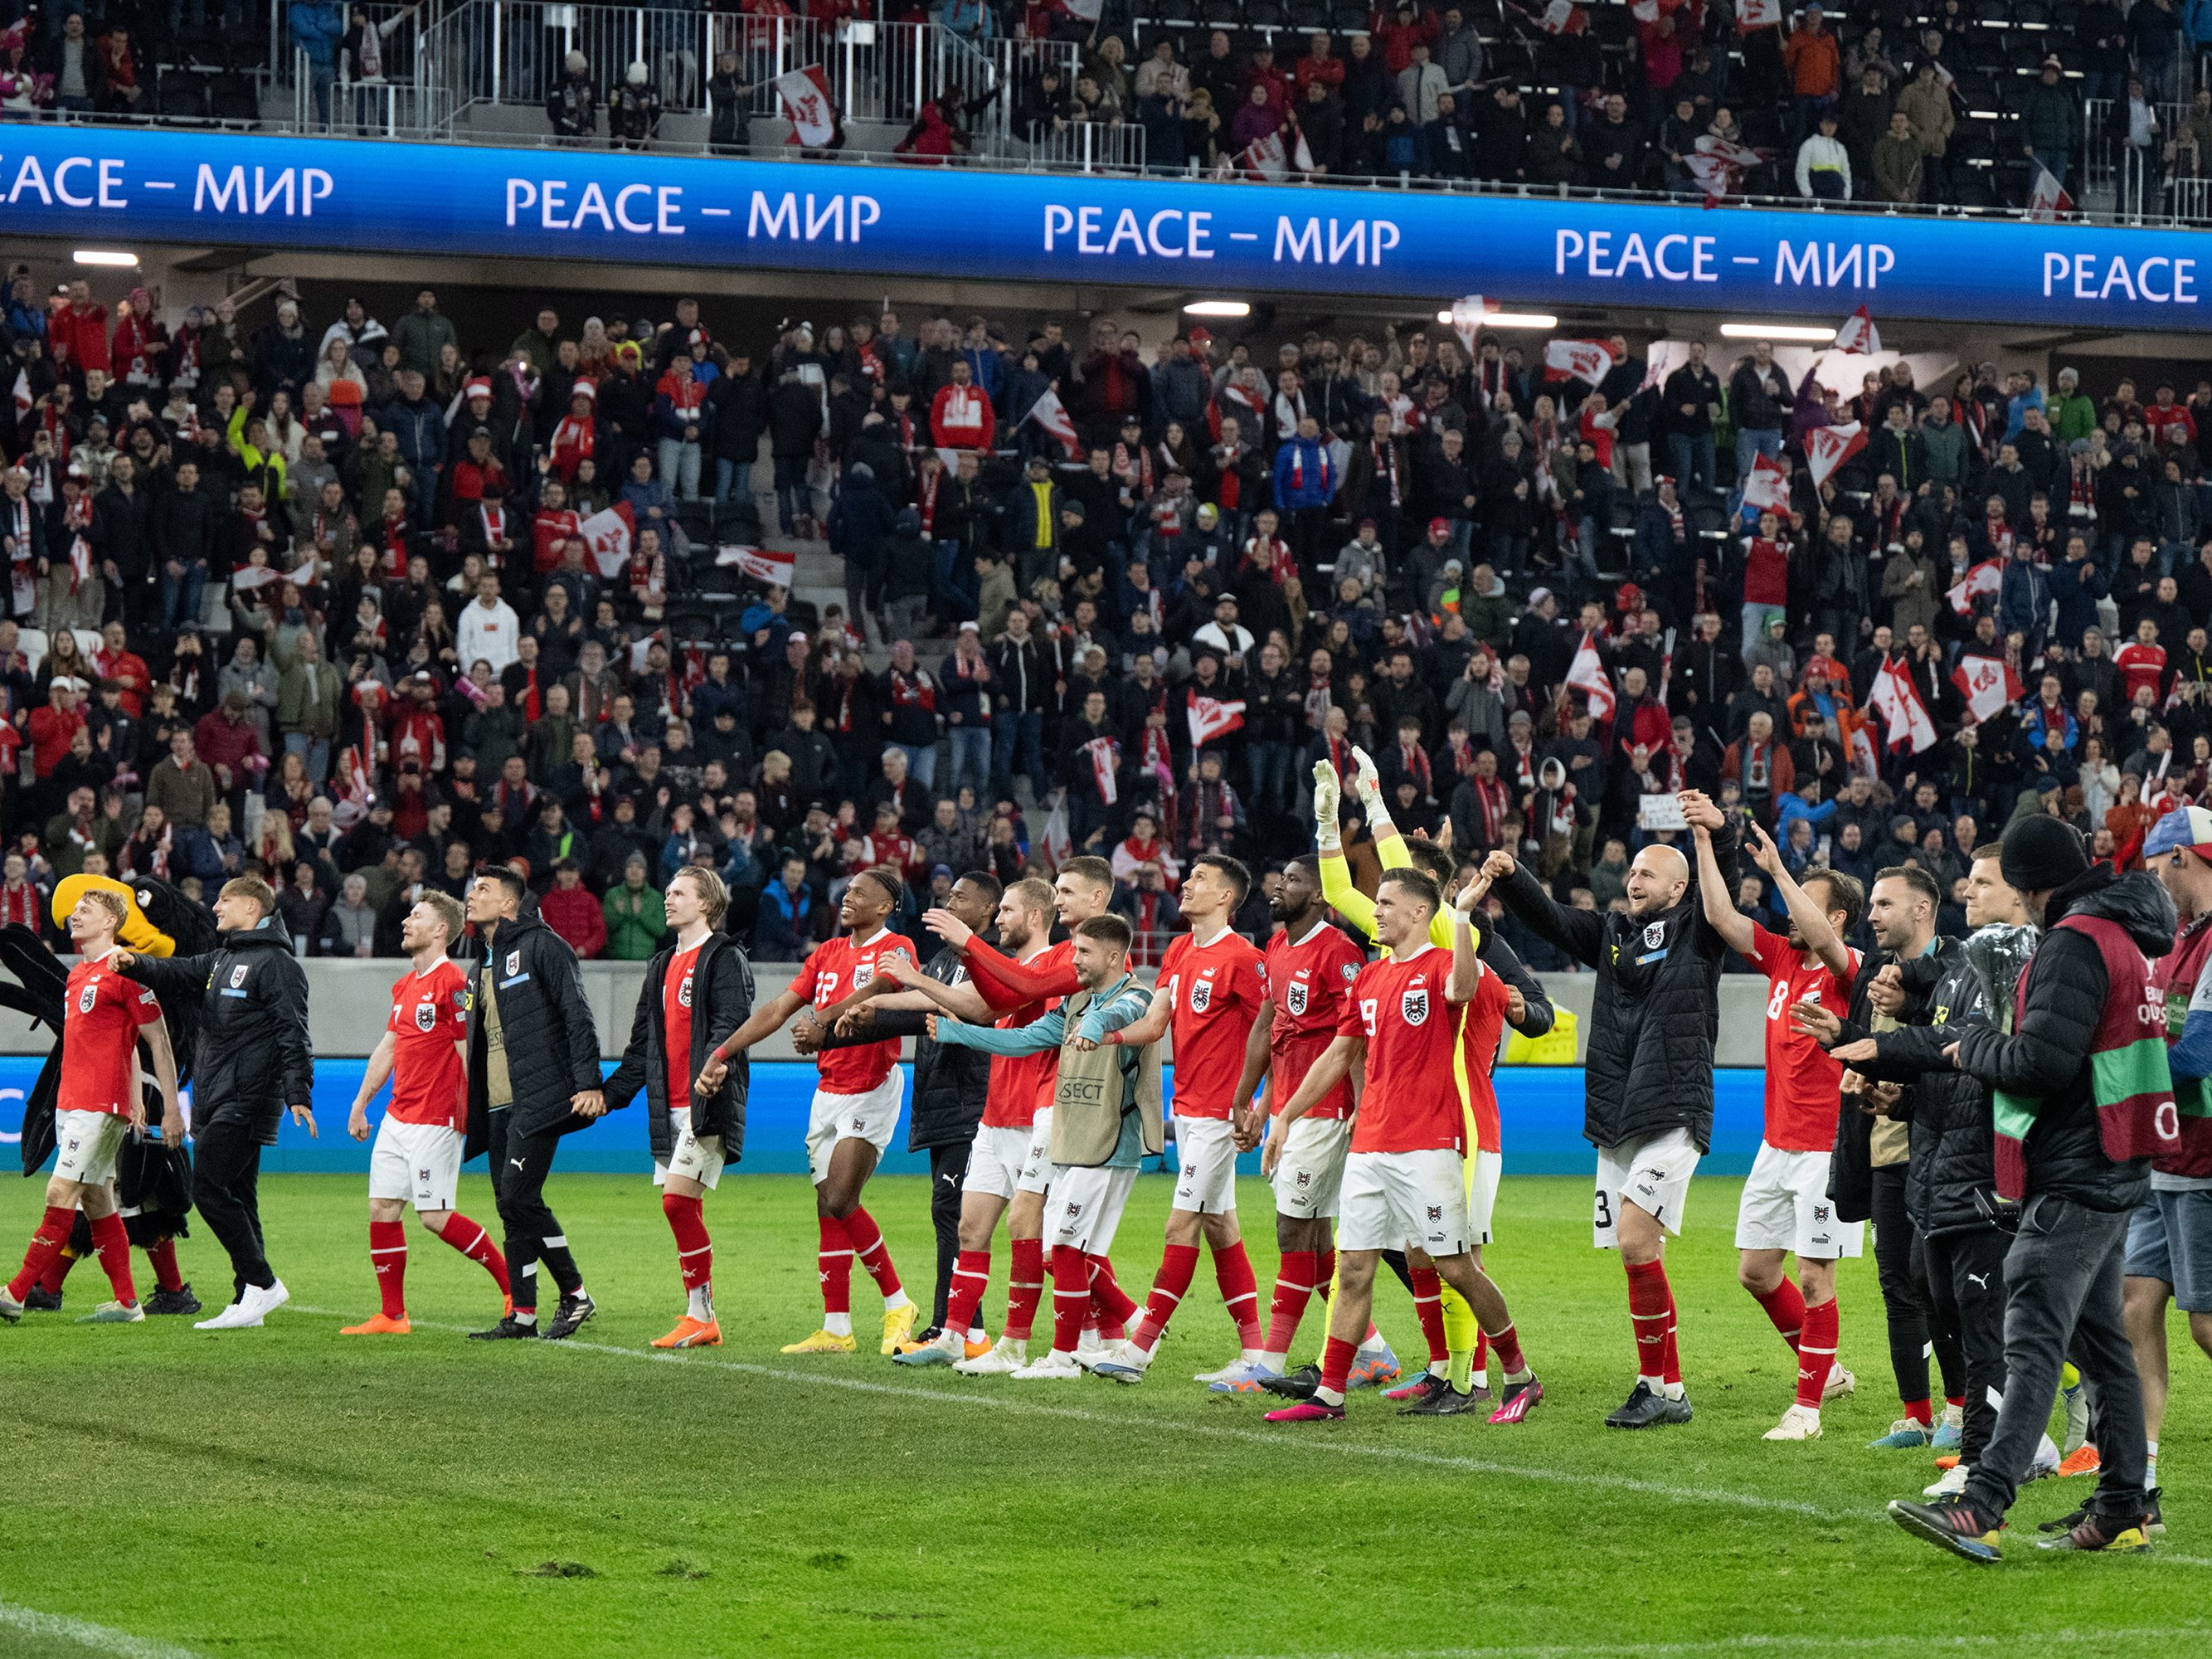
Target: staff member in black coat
x: 948, y: 1083
x: 533, y: 1076
x: 697, y: 990
x: 252, y: 1059
x: 1648, y: 1100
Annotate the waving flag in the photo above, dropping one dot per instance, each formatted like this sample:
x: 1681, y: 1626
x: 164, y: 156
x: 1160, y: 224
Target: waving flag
x: 1048, y: 412
x: 1577, y: 360
x: 1828, y: 447
x: 1587, y: 676
x: 1767, y: 489
x: 1897, y: 699
x: 24, y: 401
x: 763, y: 565
x: 1562, y: 17
x: 1105, y: 755
x: 807, y: 106
x: 2049, y: 198
x: 1212, y: 718
x: 1984, y: 578
x: 606, y: 535
x: 1756, y: 15
x: 1266, y: 158
x: 247, y: 578
x: 1466, y: 315
x: 1987, y: 685
x: 1859, y: 334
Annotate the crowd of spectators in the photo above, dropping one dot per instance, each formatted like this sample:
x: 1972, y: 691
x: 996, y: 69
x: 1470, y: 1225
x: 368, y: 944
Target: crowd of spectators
x: 331, y: 599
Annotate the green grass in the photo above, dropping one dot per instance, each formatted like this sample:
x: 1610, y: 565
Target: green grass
x: 284, y: 1492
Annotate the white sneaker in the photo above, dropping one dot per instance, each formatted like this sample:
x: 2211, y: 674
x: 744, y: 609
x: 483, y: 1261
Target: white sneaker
x: 1102, y: 1354
x: 265, y: 1302
x: 1949, y: 1484
x: 1233, y: 1368
x: 1798, y: 1423
x: 1091, y: 1343
x: 2047, y: 1460
x: 238, y: 1316
x: 1053, y: 1367
x: 115, y: 1313
x: 1244, y: 1377
x: 10, y: 1310
x: 1007, y: 1355
x: 1840, y: 1383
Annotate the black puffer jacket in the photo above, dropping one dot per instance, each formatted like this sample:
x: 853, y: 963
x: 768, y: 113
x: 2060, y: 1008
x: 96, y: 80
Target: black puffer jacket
x: 552, y: 1046
x: 1649, y: 1064
x: 2047, y: 1057
x: 253, y: 1058
x: 948, y: 1082
x: 721, y: 1000
x: 1850, y: 1167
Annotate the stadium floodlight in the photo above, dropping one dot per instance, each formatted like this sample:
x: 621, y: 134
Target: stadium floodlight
x: 1218, y: 309
x: 1808, y: 333
x: 1510, y: 319
x: 104, y: 256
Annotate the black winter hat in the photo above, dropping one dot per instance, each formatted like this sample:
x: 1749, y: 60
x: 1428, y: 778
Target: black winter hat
x: 2041, y: 853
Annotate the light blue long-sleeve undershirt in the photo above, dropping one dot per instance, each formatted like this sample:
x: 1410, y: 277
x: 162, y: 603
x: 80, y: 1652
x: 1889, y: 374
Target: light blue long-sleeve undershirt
x: 1121, y: 1006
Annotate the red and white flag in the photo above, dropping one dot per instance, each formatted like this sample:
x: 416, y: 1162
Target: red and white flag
x: 24, y: 400
x: 1756, y: 15
x: 1048, y: 412
x: 1645, y: 11
x: 1212, y: 718
x: 1767, y: 489
x: 1859, y: 334
x: 1302, y: 156
x: 1897, y: 699
x: 606, y: 536
x: 1466, y: 315
x: 249, y: 577
x: 1578, y: 360
x: 807, y: 106
x: 1863, y: 759
x: 1103, y: 754
x: 1266, y: 158
x: 1828, y: 447
x: 761, y: 564
x: 2049, y: 198
x: 1987, y: 684
x: 1984, y: 578
x: 1587, y: 676
x: 1562, y: 17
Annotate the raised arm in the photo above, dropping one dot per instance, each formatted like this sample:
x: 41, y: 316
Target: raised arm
x: 770, y: 1016
x: 1735, y: 928
x: 1346, y: 899
x: 1812, y: 925
x: 167, y: 977
x: 1580, y: 933
x: 1002, y: 982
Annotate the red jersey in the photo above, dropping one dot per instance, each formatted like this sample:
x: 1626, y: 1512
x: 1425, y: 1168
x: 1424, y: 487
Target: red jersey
x: 1411, y: 1100
x: 1766, y: 573
x: 1215, y: 991
x: 676, y: 1022
x: 1022, y: 1084
x: 1310, y: 979
x: 101, y: 1021
x: 832, y: 975
x: 429, y: 1016
x: 1802, y: 1082
x: 1481, y: 1024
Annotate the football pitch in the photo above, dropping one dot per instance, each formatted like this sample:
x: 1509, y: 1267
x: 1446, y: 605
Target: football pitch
x: 286, y: 1492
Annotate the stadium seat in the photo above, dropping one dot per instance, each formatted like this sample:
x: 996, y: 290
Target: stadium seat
x: 1308, y: 15
x: 182, y: 93
x: 233, y: 98
x: 1220, y: 13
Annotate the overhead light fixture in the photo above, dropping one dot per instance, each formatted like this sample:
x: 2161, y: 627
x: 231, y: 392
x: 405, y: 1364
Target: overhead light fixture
x: 104, y: 256
x: 1801, y: 331
x: 1218, y: 309
x: 1510, y: 319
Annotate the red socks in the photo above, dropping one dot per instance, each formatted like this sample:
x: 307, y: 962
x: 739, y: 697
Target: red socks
x: 833, y: 1261
x: 1335, y: 1366
x: 1294, y: 1288
x: 867, y: 1241
x: 47, y: 1243
x: 57, y: 1272
x: 1918, y: 1411
x: 1070, y: 1297
x: 1651, y: 1310
x: 474, y: 1243
x: 387, y: 1254
x: 1024, y: 1285
x: 1429, y: 1308
x: 694, y: 1251
x: 1178, y: 1265
x: 1786, y: 1306
x: 1816, y: 1351
x: 113, y: 1244
x: 1240, y: 1293
x: 1510, y: 1360
x: 163, y: 1257
x: 1673, y: 1374
x: 1108, y: 1299
x: 971, y: 1277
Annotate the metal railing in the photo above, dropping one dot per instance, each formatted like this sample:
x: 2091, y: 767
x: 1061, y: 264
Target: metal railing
x: 2137, y: 183
x: 1082, y: 147
x: 393, y: 106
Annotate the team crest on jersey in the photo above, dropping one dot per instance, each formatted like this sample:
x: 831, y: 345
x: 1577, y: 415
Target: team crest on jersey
x: 422, y: 1175
x: 1655, y: 935
x: 426, y: 1017
x: 1294, y: 998
x: 862, y: 973
x: 1820, y: 1215
x: 1436, y: 1212
x: 1413, y: 1005
x: 237, y: 976
x: 1305, y: 1178
x: 1201, y: 996
x: 684, y: 992
x: 513, y: 962
x: 88, y: 996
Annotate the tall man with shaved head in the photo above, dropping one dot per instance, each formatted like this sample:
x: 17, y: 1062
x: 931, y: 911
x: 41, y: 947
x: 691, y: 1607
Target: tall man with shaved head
x: 1648, y: 1078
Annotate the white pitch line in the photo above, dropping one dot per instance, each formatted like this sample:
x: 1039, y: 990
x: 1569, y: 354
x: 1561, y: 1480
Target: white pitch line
x: 1744, y: 1644
x: 55, y: 1627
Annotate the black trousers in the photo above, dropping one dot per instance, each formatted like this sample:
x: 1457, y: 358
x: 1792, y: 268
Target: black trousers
x: 1966, y: 1289
x: 948, y: 1171
x: 1901, y: 1267
x: 226, y: 1190
x: 520, y: 1164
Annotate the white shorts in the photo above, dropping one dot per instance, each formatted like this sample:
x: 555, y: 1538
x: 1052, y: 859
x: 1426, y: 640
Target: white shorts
x: 1483, y: 1170
x: 1206, y: 1158
x: 1310, y: 1175
x: 1785, y: 1207
x: 88, y: 1143
x: 692, y: 1157
x: 419, y: 1164
x: 1086, y: 1208
x: 996, y: 1160
x: 1038, y: 1167
x: 1392, y: 1199
x: 871, y: 1118
x: 1653, y: 1174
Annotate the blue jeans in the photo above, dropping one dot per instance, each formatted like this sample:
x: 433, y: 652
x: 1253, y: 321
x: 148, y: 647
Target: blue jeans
x: 1695, y: 464
x: 971, y: 760
x: 728, y: 475
x: 679, y: 464
x: 1018, y: 740
x: 180, y: 595
x: 1755, y: 441
x: 920, y: 762
x: 316, y: 750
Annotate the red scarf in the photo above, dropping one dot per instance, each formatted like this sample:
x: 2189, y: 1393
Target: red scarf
x: 925, y: 498
x: 1492, y: 803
